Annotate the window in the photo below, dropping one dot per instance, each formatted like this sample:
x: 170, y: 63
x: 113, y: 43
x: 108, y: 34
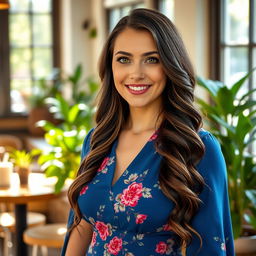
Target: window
x: 167, y: 8
x: 28, y: 52
x: 233, y: 28
x: 234, y: 51
x: 118, y: 9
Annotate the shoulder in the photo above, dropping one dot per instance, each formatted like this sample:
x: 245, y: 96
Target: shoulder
x: 213, y: 161
x: 209, y: 140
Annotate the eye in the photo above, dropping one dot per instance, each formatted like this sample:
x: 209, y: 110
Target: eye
x: 123, y: 60
x: 152, y: 60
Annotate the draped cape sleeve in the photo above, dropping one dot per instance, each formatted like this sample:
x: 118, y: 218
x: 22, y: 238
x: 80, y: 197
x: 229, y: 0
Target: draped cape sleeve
x: 213, y: 221
x: 85, y: 151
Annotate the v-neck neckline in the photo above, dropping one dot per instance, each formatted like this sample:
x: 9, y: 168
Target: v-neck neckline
x: 134, y: 160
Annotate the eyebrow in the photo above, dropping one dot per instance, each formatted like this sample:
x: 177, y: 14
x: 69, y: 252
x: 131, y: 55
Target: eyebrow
x: 129, y: 54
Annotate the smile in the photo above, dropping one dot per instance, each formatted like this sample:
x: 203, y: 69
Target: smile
x: 137, y: 88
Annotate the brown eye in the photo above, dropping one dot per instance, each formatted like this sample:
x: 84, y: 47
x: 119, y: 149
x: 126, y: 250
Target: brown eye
x: 123, y: 60
x: 152, y: 60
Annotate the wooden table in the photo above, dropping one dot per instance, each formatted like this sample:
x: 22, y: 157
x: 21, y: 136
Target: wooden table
x: 39, y: 188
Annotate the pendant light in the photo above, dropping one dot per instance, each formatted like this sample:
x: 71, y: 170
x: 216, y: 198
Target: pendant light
x: 4, y: 4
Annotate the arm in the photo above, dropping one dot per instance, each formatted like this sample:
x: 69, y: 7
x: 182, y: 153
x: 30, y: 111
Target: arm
x: 79, y: 239
x: 213, y: 220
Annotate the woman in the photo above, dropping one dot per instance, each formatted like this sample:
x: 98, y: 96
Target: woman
x: 151, y: 182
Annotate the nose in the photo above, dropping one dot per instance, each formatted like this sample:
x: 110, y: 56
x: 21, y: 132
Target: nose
x: 137, y: 72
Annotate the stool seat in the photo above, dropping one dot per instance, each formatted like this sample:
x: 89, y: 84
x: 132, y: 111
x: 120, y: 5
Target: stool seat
x: 49, y: 235
x: 7, y: 220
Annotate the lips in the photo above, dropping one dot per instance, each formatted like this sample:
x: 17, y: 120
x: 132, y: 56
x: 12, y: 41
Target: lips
x: 137, y: 88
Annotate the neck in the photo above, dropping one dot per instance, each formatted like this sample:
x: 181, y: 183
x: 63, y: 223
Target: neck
x: 143, y: 119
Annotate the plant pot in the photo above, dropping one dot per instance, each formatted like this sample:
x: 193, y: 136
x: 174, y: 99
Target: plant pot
x: 245, y: 246
x: 23, y: 175
x: 36, y: 114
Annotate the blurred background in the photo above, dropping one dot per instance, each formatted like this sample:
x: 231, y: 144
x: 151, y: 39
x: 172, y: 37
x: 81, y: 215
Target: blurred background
x: 49, y: 52
x: 38, y: 36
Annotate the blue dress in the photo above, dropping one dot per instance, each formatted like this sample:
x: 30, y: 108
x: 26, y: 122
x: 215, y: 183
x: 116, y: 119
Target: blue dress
x: 130, y: 216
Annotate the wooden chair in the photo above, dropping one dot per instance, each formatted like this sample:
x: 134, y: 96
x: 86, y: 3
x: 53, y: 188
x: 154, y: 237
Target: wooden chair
x: 7, y: 226
x: 46, y: 236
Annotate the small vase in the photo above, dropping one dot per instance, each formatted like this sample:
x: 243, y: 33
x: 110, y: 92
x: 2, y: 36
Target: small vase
x: 23, y: 175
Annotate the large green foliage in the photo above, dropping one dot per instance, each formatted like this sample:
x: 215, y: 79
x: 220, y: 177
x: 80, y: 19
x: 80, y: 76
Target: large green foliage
x: 66, y: 137
x: 232, y: 120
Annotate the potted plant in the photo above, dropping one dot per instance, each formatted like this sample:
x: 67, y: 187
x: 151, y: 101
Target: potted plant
x: 39, y: 110
x: 232, y: 120
x: 22, y: 161
x: 66, y: 138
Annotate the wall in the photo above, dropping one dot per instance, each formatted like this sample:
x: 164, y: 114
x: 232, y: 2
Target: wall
x: 76, y: 44
x: 191, y: 19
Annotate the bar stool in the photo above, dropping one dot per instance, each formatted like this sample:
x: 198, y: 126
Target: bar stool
x: 49, y: 235
x: 7, y: 226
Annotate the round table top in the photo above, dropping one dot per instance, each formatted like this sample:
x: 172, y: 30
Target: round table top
x: 39, y: 188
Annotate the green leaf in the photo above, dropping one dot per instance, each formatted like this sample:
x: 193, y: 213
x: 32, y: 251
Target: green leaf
x: 46, y: 125
x: 211, y: 86
x: 52, y: 171
x: 73, y: 113
x: 223, y: 123
x: 236, y: 224
x: 44, y: 158
x: 247, y: 105
x: 205, y: 107
x: 236, y: 87
x: 59, y: 184
x: 77, y: 74
x: 225, y: 100
x: 244, y: 126
x: 247, y: 94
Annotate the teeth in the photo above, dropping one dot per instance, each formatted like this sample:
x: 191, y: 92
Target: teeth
x: 138, y: 88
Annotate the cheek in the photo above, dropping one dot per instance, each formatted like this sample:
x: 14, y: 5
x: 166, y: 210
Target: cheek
x: 158, y: 75
x: 118, y: 74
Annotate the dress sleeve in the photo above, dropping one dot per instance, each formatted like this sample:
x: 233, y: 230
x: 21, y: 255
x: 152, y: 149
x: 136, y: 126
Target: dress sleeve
x: 213, y: 221
x: 85, y: 151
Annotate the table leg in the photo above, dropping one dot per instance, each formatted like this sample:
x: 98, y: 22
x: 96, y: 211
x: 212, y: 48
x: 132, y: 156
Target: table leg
x: 21, y: 225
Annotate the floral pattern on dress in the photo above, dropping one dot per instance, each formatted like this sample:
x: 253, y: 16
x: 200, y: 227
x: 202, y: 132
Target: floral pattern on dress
x: 222, y: 242
x: 130, y: 218
x: 107, y: 161
x: 165, y: 248
x: 141, y: 218
x: 83, y: 190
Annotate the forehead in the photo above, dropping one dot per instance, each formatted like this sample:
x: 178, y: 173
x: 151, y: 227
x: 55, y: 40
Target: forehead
x: 133, y: 41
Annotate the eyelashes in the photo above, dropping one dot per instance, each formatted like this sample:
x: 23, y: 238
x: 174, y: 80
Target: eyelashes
x: 149, y: 60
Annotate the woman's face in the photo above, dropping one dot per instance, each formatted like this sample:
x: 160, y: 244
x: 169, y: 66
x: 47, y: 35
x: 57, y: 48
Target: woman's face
x: 138, y: 73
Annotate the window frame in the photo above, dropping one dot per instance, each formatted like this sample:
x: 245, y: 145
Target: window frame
x: 217, y: 43
x: 5, y: 100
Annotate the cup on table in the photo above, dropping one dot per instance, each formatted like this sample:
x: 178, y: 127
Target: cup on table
x: 6, y: 169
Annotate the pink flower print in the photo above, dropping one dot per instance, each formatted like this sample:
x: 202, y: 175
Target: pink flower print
x: 153, y: 137
x: 223, y: 246
x: 83, y: 190
x: 132, y: 194
x: 115, y: 245
x: 161, y: 247
x: 167, y: 227
x: 102, y: 229
x: 140, y: 218
x: 93, y: 239
x: 103, y: 164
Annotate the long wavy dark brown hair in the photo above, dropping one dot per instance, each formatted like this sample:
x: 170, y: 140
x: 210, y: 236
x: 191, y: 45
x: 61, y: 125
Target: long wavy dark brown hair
x: 178, y: 141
